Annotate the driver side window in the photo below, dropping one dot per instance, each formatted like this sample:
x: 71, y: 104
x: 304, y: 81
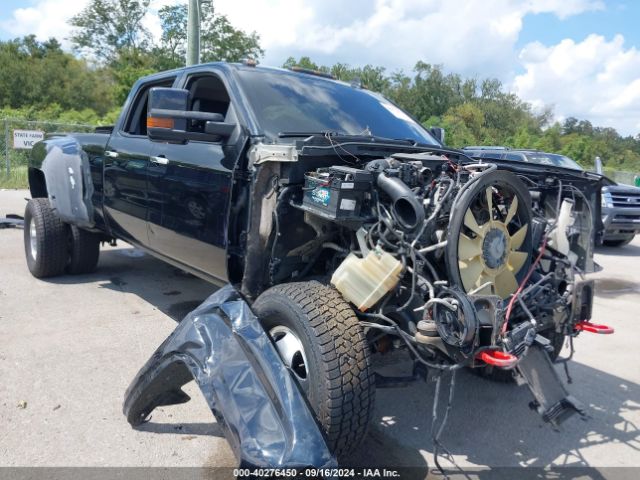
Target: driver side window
x: 136, y: 123
x: 207, y: 94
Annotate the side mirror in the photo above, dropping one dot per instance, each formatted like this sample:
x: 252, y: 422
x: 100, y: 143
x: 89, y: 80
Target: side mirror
x: 167, y: 115
x: 167, y: 100
x: 598, y: 165
x: 438, y: 133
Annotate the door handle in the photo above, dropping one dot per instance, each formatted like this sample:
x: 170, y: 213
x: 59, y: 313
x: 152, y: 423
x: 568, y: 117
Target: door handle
x: 111, y: 153
x: 160, y: 160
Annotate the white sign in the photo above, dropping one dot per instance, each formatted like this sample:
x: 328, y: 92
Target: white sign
x: 24, y: 139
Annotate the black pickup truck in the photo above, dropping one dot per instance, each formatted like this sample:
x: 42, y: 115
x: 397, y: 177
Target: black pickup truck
x: 348, y: 227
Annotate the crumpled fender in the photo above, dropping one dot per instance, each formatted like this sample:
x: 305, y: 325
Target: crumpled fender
x: 68, y: 176
x: 222, y: 345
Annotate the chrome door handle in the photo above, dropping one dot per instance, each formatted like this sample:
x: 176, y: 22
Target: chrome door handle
x: 111, y: 153
x: 160, y: 160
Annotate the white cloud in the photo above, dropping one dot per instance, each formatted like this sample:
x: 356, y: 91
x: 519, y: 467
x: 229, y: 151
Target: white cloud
x: 47, y: 18
x: 476, y: 37
x: 596, y: 79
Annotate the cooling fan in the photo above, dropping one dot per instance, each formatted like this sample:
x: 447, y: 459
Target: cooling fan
x: 489, y: 238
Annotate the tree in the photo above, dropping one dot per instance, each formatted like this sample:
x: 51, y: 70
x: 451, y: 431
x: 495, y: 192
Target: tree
x: 106, y: 27
x: 37, y: 74
x: 219, y: 40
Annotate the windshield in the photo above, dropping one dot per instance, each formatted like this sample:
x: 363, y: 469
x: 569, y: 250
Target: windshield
x: 553, y: 159
x: 295, y: 102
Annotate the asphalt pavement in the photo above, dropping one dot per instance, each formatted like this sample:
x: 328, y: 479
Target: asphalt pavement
x: 69, y: 347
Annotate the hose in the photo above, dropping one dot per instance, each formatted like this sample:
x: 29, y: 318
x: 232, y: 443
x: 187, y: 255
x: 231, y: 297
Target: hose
x: 407, y: 210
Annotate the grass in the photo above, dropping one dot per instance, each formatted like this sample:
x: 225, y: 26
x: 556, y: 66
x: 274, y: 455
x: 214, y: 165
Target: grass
x: 17, y: 177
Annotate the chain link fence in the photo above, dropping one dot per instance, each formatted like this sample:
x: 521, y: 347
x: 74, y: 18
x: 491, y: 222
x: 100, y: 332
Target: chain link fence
x: 16, y: 137
x: 627, y: 178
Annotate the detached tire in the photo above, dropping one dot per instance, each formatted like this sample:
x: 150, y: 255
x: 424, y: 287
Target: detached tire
x: 85, y: 251
x: 45, y: 239
x: 319, y: 338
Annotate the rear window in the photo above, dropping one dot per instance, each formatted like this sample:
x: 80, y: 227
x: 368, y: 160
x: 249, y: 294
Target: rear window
x: 553, y: 159
x: 497, y: 155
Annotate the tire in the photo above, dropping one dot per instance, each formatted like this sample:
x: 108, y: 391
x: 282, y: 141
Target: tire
x: 337, y: 379
x: 618, y: 243
x: 84, y: 251
x: 45, y: 239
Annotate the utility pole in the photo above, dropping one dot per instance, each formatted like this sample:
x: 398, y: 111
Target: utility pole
x: 193, y: 33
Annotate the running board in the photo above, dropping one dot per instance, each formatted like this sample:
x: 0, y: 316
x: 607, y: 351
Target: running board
x: 551, y: 399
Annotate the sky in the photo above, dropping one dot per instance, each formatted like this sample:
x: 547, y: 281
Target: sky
x: 580, y: 57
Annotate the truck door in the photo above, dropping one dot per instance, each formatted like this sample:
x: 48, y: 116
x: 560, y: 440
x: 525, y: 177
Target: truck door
x: 193, y: 182
x: 126, y: 199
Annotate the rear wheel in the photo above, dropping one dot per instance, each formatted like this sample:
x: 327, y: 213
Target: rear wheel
x: 85, y: 251
x: 322, y: 343
x: 618, y: 243
x: 45, y: 239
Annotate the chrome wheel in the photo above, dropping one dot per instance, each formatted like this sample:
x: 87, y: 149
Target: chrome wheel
x: 291, y: 352
x: 33, y: 239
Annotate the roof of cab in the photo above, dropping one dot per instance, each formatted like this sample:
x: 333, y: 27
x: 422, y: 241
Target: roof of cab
x: 242, y: 67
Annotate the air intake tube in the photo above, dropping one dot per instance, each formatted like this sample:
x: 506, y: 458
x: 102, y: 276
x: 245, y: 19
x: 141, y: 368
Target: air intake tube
x: 407, y: 209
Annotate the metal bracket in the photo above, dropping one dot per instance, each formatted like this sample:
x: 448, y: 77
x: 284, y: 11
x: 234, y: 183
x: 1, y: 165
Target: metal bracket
x: 261, y: 153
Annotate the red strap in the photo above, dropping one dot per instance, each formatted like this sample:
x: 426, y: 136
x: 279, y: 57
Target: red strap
x: 498, y: 358
x: 593, y: 328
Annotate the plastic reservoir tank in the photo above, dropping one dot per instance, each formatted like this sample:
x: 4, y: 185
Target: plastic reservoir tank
x: 364, y: 281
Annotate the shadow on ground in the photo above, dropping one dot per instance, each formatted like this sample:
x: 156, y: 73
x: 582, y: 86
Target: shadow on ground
x: 630, y: 250
x: 169, y: 289
x: 491, y: 423
x: 210, y: 429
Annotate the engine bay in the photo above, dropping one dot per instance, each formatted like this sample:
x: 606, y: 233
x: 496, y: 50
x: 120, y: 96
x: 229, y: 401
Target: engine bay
x: 464, y: 264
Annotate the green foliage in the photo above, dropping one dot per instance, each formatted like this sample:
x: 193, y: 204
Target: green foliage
x: 127, y: 68
x: 106, y: 27
x: 37, y: 74
x: 219, y: 40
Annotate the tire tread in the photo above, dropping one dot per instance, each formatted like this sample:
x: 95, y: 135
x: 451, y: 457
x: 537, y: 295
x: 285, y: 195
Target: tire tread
x: 52, y: 234
x: 347, y: 376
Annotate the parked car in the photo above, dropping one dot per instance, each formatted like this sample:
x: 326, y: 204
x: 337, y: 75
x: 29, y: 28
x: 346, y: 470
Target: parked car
x: 346, y: 227
x: 620, y: 207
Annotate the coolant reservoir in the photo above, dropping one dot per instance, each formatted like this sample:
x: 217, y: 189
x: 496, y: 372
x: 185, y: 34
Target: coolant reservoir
x: 558, y: 238
x: 364, y: 281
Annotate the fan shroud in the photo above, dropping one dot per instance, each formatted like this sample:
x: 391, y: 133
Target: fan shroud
x: 489, y: 236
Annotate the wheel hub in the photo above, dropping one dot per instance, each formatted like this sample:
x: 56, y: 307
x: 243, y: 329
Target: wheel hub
x: 33, y: 239
x: 494, y: 248
x: 489, y: 255
x: 291, y: 351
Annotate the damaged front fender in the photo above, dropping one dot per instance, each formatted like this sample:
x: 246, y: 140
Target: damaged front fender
x: 223, y: 347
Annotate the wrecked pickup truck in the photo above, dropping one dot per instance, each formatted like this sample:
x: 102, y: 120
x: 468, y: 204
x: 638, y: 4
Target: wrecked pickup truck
x: 345, y: 229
